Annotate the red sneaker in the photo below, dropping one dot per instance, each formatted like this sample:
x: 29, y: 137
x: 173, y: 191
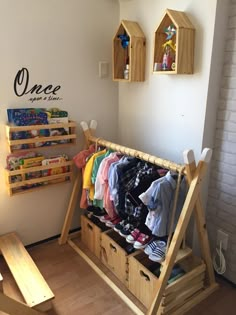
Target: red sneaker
x: 105, y: 218
x: 133, y: 236
x: 113, y: 222
x: 142, y: 241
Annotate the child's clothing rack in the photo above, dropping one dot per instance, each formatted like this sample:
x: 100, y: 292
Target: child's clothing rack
x: 194, y: 174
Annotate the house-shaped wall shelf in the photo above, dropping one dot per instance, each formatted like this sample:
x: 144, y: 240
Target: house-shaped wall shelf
x: 179, y: 43
x: 129, y: 53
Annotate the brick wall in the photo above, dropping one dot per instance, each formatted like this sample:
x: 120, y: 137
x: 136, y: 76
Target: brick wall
x: 221, y: 208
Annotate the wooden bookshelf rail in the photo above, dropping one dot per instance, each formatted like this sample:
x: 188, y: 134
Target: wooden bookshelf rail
x: 44, y: 180
x: 69, y: 138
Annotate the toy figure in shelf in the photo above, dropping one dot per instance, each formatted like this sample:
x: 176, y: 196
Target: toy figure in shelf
x: 125, y: 43
x: 170, y: 31
x: 168, y: 62
x: 124, y: 40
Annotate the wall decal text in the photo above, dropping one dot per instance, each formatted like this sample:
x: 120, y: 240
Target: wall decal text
x: 21, y: 88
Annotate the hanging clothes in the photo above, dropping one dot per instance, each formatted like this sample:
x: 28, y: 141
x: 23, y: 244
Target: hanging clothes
x: 139, y: 183
x: 125, y: 173
x: 87, y: 181
x: 115, y: 173
x: 159, y: 200
x: 80, y: 161
x: 131, y: 188
x: 97, y: 162
x: 102, y: 190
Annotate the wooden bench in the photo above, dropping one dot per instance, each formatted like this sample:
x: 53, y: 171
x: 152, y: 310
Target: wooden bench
x: 29, y: 280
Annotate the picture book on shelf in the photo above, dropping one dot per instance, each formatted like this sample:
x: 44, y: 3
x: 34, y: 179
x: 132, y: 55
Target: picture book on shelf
x: 38, y: 116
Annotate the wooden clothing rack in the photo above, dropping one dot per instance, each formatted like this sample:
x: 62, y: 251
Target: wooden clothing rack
x: 194, y: 174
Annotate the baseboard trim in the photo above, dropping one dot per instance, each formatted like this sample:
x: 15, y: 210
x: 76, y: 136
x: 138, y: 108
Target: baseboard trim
x: 52, y: 238
x: 225, y: 280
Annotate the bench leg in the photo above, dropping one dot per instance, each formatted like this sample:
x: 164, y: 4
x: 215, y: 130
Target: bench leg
x: 13, y: 307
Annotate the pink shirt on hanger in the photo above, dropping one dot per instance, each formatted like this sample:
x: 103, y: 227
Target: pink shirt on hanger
x: 102, y: 184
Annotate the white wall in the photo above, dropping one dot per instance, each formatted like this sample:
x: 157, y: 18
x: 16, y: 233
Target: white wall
x: 166, y: 114
x: 216, y: 67
x: 61, y: 43
x: 170, y: 113
x: 221, y: 208
x: 217, y: 60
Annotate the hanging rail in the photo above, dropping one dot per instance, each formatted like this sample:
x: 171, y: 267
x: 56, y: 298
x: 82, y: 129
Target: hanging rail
x: 138, y: 154
x: 89, y: 130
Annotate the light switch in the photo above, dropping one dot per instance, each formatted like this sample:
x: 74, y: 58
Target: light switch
x: 103, y: 69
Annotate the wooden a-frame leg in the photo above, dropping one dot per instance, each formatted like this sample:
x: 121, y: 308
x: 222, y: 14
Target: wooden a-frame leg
x: 189, y: 204
x: 199, y: 214
x: 70, y: 210
x: 88, y: 131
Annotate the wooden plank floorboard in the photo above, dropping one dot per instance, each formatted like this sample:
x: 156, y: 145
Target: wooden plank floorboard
x: 221, y: 302
x: 79, y: 290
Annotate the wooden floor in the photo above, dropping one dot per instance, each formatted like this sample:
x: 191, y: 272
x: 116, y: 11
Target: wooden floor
x: 79, y: 290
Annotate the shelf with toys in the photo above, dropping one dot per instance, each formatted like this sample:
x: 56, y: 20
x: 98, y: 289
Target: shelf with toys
x: 57, y: 136
x: 34, y: 129
x: 129, y: 53
x: 27, y: 178
x: 174, y: 44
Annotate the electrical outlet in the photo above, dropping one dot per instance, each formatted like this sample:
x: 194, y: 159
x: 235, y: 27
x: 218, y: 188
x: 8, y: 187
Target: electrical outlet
x: 222, y: 237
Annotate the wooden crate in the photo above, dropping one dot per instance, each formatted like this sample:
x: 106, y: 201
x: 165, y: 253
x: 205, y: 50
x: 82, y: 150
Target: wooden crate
x: 32, y: 143
x: 143, y: 282
x: 183, y: 40
x: 114, y: 255
x: 91, y: 231
x: 135, y: 53
x: 22, y: 180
